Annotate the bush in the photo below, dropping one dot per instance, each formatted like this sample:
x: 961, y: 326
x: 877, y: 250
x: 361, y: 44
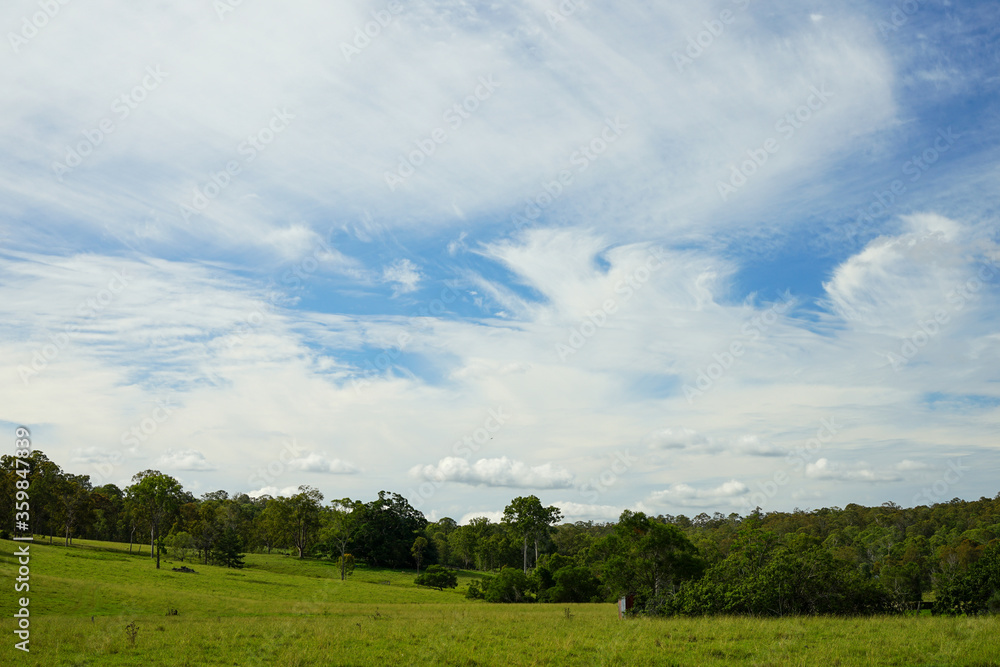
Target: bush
x: 572, y: 584
x: 437, y: 577
x: 511, y: 585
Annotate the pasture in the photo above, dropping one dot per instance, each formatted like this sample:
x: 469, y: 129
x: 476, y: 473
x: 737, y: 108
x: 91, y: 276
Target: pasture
x: 282, y: 611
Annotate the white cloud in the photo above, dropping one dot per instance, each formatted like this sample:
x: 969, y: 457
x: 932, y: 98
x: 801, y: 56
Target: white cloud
x: 688, y: 496
x: 495, y: 472
x: 674, y: 438
x: 184, y: 459
x: 316, y: 462
x: 824, y: 469
x: 403, y: 275
x: 493, y: 516
x: 274, y: 492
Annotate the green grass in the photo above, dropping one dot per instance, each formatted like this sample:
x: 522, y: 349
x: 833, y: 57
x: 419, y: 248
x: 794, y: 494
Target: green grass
x: 282, y: 611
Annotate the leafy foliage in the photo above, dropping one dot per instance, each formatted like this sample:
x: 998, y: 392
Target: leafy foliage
x: 437, y: 577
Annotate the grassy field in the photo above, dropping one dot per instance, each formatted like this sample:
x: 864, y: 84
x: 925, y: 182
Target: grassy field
x: 281, y: 611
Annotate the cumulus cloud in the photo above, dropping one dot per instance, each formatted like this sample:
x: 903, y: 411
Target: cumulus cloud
x: 184, y: 459
x: 495, y: 472
x: 827, y: 470
x: 316, y: 462
x: 689, y: 496
x: 573, y: 511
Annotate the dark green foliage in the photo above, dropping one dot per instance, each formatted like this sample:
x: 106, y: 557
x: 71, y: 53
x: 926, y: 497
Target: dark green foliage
x: 228, y: 550
x: 572, y: 584
x: 976, y: 590
x: 436, y: 576
x: 646, y: 558
x: 387, y: 528
x: 765, y: 576
x: 510, y: 585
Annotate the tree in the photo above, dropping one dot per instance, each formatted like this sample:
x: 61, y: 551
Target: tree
x: 341, y: 524
x: 646, y: 558
x: 529, y: 520
x: 228, y: 549
x: 269, y: 525
x: 180, y: 544
x: 437, y: 577
x: 156, y: 497
x: 303, y: 513
x: 418, y: 549
x: 387, y: 529
x: 976, y: 590
x: 72, y: 494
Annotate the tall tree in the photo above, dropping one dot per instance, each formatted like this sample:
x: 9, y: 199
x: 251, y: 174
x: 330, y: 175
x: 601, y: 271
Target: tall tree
x: 342, y: 522
x: 303, y: 512
x: 72, y: 495
x: 530, y: 520
x: 156, y: 496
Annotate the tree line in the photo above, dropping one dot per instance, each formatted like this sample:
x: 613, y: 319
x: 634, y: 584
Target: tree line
x: 851, y: 560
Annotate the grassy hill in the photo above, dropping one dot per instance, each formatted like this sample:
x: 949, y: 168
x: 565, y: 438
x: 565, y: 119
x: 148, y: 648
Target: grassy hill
x: 282, y: 611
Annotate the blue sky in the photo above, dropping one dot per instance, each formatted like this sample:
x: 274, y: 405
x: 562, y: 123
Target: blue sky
x: 674, y: 257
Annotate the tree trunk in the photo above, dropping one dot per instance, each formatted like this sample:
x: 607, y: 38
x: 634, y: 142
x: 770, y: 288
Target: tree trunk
x: 526, y: 553
x: 157, y: 556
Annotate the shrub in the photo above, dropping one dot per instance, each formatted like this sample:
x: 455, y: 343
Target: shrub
x: 437, y: 577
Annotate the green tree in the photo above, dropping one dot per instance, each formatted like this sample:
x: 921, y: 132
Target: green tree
x: 228, y: 549
x: 530, y: 520
x: 156, y: 497
x: 341, y: 522
x: 418, y: 549
x: 303, y: 513
x: 646, y: 558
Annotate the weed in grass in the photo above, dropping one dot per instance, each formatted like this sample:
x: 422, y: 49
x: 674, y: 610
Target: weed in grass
x: 131, y: 631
